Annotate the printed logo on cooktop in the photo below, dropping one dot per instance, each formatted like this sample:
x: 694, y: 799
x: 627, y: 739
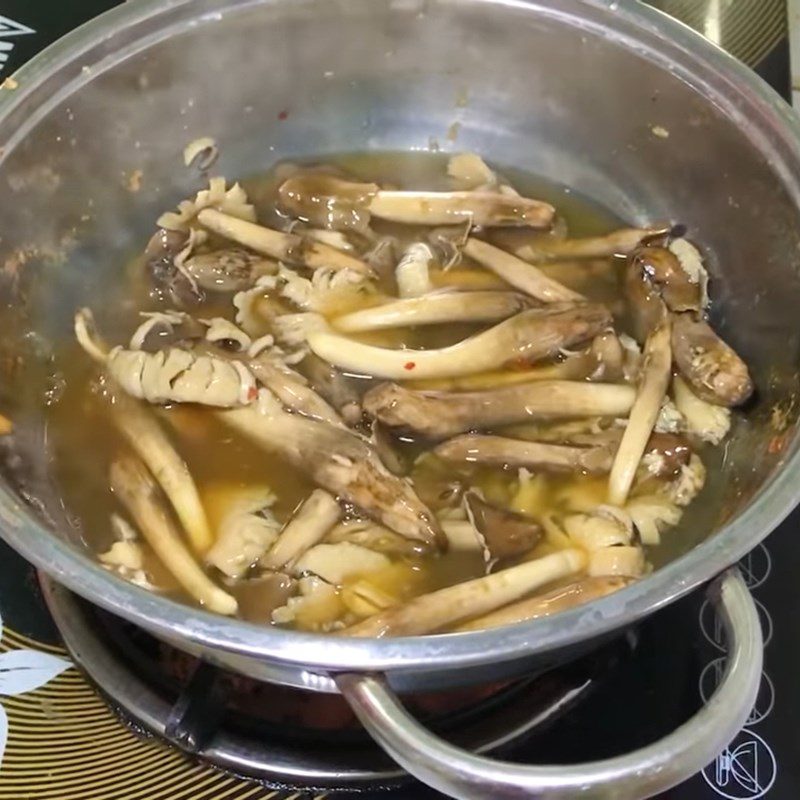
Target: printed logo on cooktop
x: 744, y: 770
x: 756, y: 566
x: 8, y: 29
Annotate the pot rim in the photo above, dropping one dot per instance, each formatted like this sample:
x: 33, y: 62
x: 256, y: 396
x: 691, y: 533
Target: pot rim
x: 743, y: 96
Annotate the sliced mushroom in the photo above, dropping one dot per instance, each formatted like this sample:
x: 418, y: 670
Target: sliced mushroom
x: 431, y: 612
x: 506, y: 533
x: 666, y: 453
x: 647, y: 308
x: 162, y: 251
x: 180, y: 376
x: 438, y: 415
x: 308, y: 526
x: 501, y: 451
x: 229, y: 270
x: 282, y: 246
x: 603, y: 527
x: 337, y: 563
x: 712, y: 368
x: 339, y: 461
x: 326, y: 200
x: 317, y: 607
x: 519, y: 274
x: 375, y: 537
x: 707, y: 421
x: 434, y: 309
x: 651, y: 391
x: 651, y: 514
x: 528, y: 337
x: 136, y: 489
x: 245, y: 533
x: 573, y: 594
x: 618, y: 243
x: 622, y: 561
x: 471, y: 171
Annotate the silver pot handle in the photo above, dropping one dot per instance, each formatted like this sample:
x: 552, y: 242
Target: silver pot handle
x: 641, y: 774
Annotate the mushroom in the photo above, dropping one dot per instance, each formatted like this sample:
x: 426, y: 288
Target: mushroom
x: 317, y: 607
x: 228, y: 270
x: 438, y: 415
x: 431, y: 612
x: 434, y: 309
x: 622, y: 561
x: 137, y: 490
x: 573, y: 594
x: 707, y: 421
x: 334, y: 386
x: 709, y: 366
x: 328, y: 291
x: 162, y: 251
x: 413, y: 271
x: 339, y: 461
x: 651, y: 514
x: 337, y: 563
x: 647, y: 308
x: 288, y: 247
x: 665, y: 454
x: 246, y: 531
x: 301, y: 193
x: 655, y: 375
x: 527, y: 337
x: 688, y: 484
x: 374, y: 536
x: 148, y: 440
x: 471, y: 171
x: 662, y: 267
x: 604, y: 527
x: 317, y: 514
x: 501, y: 451
x: 519, y: 274
x: 617, y: 243
x: 506, y: 533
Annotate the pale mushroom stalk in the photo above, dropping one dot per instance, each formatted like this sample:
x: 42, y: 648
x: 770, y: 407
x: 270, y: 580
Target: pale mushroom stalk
x: 449, y: 208
x: 438, y: 415
x: 652, y: 389
x: 573, y: 594
x: 434, y: 309
x: 339, y: 461
x: 277, y: 244
x: 501, y: 451
x: 136, y: 489
x: 311, y: 522
x: 518, y: 273
x: 151, y: 444
x: 527, y: 337
x: 617, y: 243
x: 431, y: 612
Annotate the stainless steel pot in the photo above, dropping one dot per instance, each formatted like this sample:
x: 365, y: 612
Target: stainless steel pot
x: 609, y: 98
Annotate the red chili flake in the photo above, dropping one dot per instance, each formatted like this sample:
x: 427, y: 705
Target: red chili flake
x: 776, y: 445
x: 283, y: 115
x: 409, y: 365
x: 252, y: 393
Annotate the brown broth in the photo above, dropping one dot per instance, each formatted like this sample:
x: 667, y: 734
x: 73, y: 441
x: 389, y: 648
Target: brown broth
x: 223, y: 463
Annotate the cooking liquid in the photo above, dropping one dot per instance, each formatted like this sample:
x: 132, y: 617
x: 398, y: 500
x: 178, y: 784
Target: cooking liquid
x: 223, y: 464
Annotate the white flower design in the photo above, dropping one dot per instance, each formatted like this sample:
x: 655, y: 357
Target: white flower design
x: 22, y: 671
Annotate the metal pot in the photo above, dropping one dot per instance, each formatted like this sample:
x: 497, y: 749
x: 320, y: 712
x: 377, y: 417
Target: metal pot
x: 609, y: 98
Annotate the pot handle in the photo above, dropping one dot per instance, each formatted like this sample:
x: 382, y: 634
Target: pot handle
x: 643, y: 773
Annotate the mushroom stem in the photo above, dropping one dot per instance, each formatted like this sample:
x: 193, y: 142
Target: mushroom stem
x: 617, y: 243
x: 527, y: 337
x: 318, y: 513
x: 138, y: 492
x: 339, y: 461
x: 450, y: 208
x: 434, y: 309
x: 433, y: 611
x: 276, y: 244
x: 519, y: 274
x: 652, y: 388
x: 501, y: 451
x: 544, y: 605
x: 438, y: 415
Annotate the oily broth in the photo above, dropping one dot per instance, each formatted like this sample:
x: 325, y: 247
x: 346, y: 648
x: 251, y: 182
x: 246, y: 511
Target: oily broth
x: 223, y: 463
